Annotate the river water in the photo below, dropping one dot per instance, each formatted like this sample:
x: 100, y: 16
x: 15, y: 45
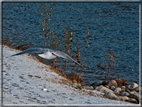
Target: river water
x: 113, y: 26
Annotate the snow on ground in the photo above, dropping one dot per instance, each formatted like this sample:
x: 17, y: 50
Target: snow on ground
x: 27, y: 81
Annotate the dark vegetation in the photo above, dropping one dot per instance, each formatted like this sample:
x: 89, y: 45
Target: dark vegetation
x: 109, y: 66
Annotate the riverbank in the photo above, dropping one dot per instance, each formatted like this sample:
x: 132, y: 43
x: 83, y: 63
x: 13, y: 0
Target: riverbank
x: 27, y: 81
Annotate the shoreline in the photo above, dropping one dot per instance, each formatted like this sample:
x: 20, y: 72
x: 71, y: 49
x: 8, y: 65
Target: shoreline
x: 27, y: 81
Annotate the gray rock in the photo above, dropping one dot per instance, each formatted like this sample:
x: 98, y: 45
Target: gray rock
x: 117, y: 90
x: 133, y: 92
x: 123, y: 98
x: 103, y: 89
x: 136, y: 96
x: 124, y: 93
x: 106, y: 86
x: 95, y: 84
x: 132, y: 100
x: 112, y: 83
x: 110, y: 95
x: 123, y: 87
x: 100, y: 83
x: 127, y: 90
x: 112, y: 87
x: 132, y: 86
x: 104, y: 83
x: 137, y: 89
x: 88, y: 88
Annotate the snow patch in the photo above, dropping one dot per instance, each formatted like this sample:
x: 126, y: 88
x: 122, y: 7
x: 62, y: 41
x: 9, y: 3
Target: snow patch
x: 27, y: 81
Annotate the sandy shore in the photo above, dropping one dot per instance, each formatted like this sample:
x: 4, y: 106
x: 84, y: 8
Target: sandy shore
x: 27, y: 81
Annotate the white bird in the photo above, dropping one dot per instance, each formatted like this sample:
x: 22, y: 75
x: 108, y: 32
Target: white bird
x: 47, y: 53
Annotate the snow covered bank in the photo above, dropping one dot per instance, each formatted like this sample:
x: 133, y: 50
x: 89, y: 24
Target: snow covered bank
x: 27, y: 81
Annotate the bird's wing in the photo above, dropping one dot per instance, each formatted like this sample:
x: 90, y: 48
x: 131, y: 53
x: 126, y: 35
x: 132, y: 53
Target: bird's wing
x: 63, y: 55
x: 31, y: 50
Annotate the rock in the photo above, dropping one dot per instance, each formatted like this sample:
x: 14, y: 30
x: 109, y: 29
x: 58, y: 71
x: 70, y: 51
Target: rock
x: 137, y: 89
x: 104, y: 83
x: 103, y: 89
x: 123, y: 98
x: 106, y: 86
x: 88, y: 88
x: 112, y: 83
x: 123, y: 87
x: 99, y: 83
x: 95, y: 84
x: 127, y: 90
x: 136, y: 96
x: 44, y: 89
x: 133, y: 92
x: 110, y: 95
x: 132, y: 86
x: 124, y: 93
x: 117, y: 90
x: 132, y: 100
x: 112, y: 87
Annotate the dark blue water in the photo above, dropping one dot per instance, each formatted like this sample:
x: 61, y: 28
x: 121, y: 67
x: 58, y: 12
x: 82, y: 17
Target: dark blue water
x: 112, y: 26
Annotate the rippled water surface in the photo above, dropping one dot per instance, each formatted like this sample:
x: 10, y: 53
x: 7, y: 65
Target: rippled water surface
x: 112, y: 26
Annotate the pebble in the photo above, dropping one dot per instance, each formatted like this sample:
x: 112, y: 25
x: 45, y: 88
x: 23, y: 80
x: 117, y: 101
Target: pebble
x: 132, y: 86
x: 112, y: 83
x: 104, y: 83
x: 95, y: 84
x: 132, y: 100
x: 136, y: 96
x: 133, y: 92
x: 88, y: 88
x: 123, y: 98
x: 45, y: 89
x: 112, y: 87
x: 100, y: 83
x: 124, y: 93
x: 110, y: 95
x: 107, y: 86
x: 137, y: 89
x: 117, y: 90
x: 103, y: 89
x: 123, y: 87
